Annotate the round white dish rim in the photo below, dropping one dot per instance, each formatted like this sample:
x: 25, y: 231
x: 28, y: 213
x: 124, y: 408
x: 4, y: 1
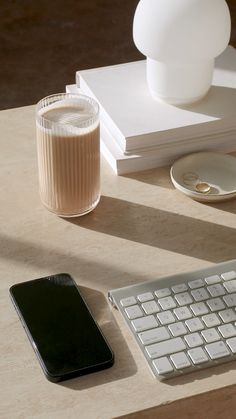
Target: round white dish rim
x: 200, y: 162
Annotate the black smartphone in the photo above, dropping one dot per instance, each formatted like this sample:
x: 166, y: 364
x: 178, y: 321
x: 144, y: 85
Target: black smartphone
x: 61, y: 329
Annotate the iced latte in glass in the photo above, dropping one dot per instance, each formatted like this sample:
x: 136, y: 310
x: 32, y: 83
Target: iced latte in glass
x: 68, y: 146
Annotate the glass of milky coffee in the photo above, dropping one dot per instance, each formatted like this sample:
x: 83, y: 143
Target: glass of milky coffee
x: 68, y: 148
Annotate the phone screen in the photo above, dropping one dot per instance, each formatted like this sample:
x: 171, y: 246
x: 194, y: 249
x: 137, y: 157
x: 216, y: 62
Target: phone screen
x: 60, y: 327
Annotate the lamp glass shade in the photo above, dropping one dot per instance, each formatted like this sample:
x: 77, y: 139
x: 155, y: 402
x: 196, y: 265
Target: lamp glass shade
x: 181, y: 39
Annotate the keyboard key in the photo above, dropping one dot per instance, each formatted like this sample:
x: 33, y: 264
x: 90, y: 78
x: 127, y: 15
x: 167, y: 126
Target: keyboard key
x: 133, y: 312
x: 228, y: 315
x: 144, y: 323
x: 230, y: 286
x: 147, y: 296
x: 217, y: 350
x: 211, y: 320
x: 200, y: 294
x: 154, y: 335
x: 227, y: 276
x: 167, y: 347
x: 178, y: 329
x: 194, y: 324
x: 162, y: 365
x: 210, y: 335
x: 167, y: 303
x: 129, y: 301
x: 213, y: 279
x: 179, y: 288
x: 150, y: 307
x: 216, y: 304
x: 193, y: 340
x: 198, y: 356
x: 199, y: 309
x: 164, y: 292
x: 230, y: 300
x: 187, y: 324
x: 165, y: 317
x: 180, y: 360
x: 216, y: 290
x: 183, y: 299
x: 183, y: 313
x: 197, y: 283
x: 232, y: 344
x: 227, y: 330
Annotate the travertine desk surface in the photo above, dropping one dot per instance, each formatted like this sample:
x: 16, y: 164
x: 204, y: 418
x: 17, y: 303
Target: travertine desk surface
x: 142, y: 229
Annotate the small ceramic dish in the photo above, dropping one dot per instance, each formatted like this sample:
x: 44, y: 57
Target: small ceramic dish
x: 205, y: 176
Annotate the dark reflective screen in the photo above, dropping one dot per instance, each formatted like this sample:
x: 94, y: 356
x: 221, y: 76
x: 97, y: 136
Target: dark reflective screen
x: 60, y: 325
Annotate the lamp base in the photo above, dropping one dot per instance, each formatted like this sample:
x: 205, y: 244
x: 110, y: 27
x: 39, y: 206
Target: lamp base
x: 177, y: 101
x: 179, y: 84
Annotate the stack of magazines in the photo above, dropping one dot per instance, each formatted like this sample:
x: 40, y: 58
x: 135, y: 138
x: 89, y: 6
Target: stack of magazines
x: 139, y: 132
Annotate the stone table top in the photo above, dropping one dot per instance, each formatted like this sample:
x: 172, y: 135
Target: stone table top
x: 142, y: 229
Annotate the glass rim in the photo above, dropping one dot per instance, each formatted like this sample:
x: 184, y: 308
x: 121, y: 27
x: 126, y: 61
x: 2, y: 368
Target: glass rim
x: 91, y: 119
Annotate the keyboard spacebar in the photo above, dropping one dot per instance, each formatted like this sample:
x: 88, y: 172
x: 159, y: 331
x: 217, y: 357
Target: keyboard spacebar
x: 165, y: 348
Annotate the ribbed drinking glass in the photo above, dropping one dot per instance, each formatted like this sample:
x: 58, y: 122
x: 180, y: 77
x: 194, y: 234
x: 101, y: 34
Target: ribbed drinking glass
x: 68, y: 146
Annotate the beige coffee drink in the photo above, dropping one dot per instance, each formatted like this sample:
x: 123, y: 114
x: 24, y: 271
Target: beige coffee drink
x: 68, y: 145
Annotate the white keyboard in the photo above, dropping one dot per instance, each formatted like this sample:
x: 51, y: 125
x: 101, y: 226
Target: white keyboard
x: 183, y: 323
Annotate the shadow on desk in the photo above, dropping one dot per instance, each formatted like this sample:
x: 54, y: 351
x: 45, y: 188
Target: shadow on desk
x: 124, y: 365
x: 162, y: 229
x: 225, y: 206
x: 216, y: 404
x: 47, y: 260
x: 146, y: 176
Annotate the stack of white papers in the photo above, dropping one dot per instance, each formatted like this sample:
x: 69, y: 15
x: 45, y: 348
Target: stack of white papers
x: 139, y: 132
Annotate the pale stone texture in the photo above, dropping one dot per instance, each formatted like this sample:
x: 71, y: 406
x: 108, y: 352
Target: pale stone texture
x: 141, y: 230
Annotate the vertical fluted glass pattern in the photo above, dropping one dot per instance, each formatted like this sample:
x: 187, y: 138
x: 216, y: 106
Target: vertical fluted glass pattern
x: 68, y: 154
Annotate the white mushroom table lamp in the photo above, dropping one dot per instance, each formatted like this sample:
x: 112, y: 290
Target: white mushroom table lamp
x: 181, y: 39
